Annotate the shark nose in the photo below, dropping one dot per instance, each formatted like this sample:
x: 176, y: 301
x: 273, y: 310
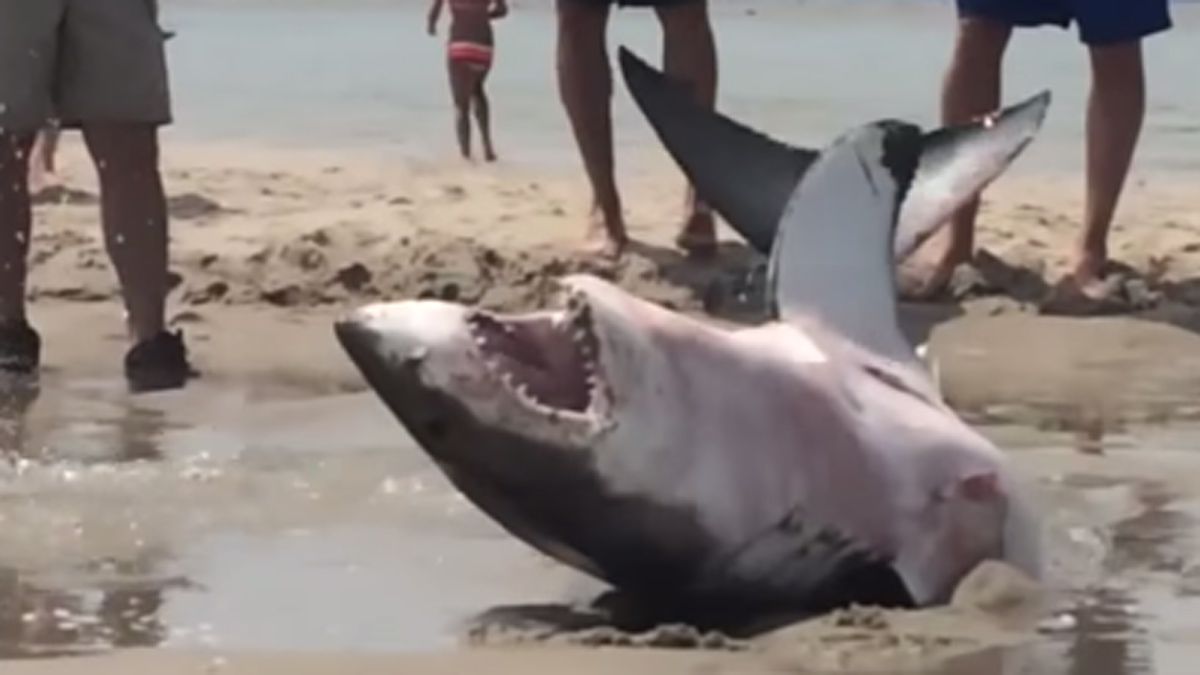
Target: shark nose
x: 357, y: 337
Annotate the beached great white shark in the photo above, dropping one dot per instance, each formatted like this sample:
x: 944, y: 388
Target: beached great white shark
x: 801, y: 464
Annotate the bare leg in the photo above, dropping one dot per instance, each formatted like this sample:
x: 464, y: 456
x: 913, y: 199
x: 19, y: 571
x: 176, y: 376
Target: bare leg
x: 49, y: 148
x: 1116, y: 108
x: 134, y: 214
x: 690, y: 55
x: 15, y: 220
x: 585, y: 85
x: 483, y: 118
x: 971, y: 88
x: 462, y: 85
x: 38, y: 169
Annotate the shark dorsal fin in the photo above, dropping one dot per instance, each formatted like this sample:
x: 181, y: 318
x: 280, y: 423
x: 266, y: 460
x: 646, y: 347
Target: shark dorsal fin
x: 872, y: 196
x: 745, y: 176
x: 748, y: 177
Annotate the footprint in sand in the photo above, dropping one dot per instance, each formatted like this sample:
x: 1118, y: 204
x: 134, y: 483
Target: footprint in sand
x: 214, y: 291
x: 190, y: 206
x: 318, y: 237
x: 353, y: 277
x: 187, y: 317
x: 63, y: 195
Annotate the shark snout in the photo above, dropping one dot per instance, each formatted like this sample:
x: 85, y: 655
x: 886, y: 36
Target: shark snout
x: 363, y: 342
x: 386, y: 337
x: 356, y: 336
x: 366, y: 332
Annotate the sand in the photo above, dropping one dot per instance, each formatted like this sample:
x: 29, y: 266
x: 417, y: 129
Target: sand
x: 270, y: 246
x: 274, y: 244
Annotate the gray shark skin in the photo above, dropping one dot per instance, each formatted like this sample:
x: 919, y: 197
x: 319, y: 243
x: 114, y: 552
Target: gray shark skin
x: 801, y: 464
x: 748, y: 177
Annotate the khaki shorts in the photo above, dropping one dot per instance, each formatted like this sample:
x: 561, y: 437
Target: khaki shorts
x: 81, y: 61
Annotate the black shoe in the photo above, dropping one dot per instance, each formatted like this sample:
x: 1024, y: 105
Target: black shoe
x: 158, y: 363
x: 20, y: 348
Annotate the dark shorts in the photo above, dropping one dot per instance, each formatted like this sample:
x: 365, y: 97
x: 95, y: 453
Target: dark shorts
x: 1100, y: 21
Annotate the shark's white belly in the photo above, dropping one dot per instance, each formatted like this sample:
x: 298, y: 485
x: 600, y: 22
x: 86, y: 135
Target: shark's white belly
x: 771, y: 424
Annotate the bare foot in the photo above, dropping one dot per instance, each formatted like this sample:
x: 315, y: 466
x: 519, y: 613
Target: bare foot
x: 1088, y: 268
x: 489, y: 154
x: 40, y: 180
x: 927, y: 272
x: 698, y: 236
x: 1074, y: 297
x: 605, y: 238
x: 603, y: 247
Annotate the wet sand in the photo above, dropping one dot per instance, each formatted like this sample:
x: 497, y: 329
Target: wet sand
x: 226, y: 528
x: 273, y: 518
x: 492, y: 661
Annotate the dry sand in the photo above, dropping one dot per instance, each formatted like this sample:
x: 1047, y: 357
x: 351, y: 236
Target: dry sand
x: 269, y: 247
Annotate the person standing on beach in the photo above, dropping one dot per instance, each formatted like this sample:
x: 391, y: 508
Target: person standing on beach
x: 100, y: 66
x: 585, y: 85
x: 469, y: 52
x: 1113, y: 32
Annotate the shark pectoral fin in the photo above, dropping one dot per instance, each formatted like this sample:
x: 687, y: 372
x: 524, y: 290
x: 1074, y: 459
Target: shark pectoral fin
x: 876, y: 188
x: 799, y: 565
x: 744, y: 175
x: 957, y: 162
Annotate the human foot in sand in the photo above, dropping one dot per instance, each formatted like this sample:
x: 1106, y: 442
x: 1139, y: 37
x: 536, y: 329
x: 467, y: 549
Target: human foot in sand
x: 1072, y: 296
x: 606, y: 235
x: 1093, y: 286
x: 698, y: 236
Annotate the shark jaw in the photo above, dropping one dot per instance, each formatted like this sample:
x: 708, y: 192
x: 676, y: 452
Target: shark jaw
x: 548, y: 360
x: 538, y: 372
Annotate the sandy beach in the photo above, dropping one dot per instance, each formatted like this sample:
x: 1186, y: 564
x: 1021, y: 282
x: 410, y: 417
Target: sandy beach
x: 270, y: 246
x: 273, y: 518
x: 276, y: 243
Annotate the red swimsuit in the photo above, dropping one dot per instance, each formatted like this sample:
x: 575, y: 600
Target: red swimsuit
x: 474, y: 54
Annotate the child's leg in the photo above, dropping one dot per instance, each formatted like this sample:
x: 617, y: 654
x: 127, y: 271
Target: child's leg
x: 483, y: 118
x: 462, y: 82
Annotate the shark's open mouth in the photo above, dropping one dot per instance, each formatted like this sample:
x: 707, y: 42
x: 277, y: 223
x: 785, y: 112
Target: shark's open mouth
x: 548, y: 359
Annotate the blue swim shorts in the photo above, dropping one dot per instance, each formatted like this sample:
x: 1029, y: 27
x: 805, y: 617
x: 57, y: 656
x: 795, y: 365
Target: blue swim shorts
x: 1100, y: 21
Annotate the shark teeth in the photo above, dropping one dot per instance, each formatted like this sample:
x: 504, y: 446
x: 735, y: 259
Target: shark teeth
x: 548, y: 360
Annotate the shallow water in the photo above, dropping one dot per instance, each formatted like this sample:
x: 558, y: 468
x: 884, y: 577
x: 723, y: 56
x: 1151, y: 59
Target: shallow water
x: 241, y: 518
x: 362, y: 74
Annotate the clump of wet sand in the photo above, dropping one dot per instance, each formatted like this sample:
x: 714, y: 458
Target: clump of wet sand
x: 667, y: 636
x: 994, y: 606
